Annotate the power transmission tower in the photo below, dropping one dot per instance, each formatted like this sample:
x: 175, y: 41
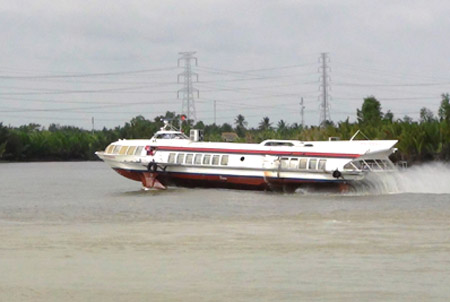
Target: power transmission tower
x: 324, y: 87
x: 188, y: 102
x: 302, y: 112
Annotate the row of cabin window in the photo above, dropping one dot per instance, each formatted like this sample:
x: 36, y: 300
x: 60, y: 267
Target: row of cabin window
x: 122, y: 150
x: 303, y: 163
x: 197, y: 159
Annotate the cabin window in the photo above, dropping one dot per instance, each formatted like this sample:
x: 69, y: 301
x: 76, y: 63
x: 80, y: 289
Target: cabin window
x: 198, y: 159
x: 171, y: 159
x: 372, y: 164
x: 164, y: 136
x: 170, y: 136
x: 131, y: 150
x: 293, y: 164
x: 278, y: 143
x: 139, y: 150
x: 349, y: 166
x: 284, y: 163
x: 224, y: 160
x: 312, y: 164
x: 123, y: 150
x: 206, y: 159
x: 116, y: 149
x: 322, y: 163
x: 357, y: 164
x: 387, y: 164
x: 180, y: 158
x: 302, y: 164
x: 215, y: 160
x: 382, y: 164
x: 109, y: 149
x: 188, y: 159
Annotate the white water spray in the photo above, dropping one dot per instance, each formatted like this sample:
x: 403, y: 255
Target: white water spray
x: 432, y: 178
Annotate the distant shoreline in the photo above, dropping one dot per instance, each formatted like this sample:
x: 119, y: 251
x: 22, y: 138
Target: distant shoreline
x: 48, y: 161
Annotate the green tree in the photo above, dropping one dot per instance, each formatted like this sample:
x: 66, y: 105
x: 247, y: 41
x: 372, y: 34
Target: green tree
x: 226, y: 128
x: 444, y: 109
x: 199, y: 125
x: 370, y: 113
x: 426, y: 115
x: 388, y: 117
x: 4, y: 132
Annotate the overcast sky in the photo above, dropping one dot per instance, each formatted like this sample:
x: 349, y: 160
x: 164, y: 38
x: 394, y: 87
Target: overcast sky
x: 68, y: 61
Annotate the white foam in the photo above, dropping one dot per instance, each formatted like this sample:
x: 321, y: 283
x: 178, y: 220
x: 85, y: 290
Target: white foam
x: 431, y: 178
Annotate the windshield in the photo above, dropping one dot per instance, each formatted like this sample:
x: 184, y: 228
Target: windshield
x: 171, y: 136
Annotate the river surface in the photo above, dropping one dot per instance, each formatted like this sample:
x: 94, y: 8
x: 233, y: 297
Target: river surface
x: 80, y: 232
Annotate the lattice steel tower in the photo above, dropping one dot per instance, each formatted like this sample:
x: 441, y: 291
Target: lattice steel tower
x: 188, y: 91
x: 324, y: 88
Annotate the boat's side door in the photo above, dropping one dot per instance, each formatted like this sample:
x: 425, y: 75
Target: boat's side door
x: 271, y: 166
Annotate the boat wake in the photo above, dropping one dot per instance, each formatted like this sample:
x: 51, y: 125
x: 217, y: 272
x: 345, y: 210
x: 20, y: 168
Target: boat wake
x: 432, y: 178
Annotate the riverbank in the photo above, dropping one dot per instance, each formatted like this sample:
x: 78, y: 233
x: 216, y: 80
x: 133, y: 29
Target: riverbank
x: 418, y: 141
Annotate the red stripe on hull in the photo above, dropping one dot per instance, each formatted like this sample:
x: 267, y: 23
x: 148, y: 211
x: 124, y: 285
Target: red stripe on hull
x: 257, y: 152
x: 215, y: 181
x: 232, y: 182
x: 137, y: 176
x: 251, y: 181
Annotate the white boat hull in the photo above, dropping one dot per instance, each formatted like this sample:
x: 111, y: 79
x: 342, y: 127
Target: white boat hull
x: 271, y: 165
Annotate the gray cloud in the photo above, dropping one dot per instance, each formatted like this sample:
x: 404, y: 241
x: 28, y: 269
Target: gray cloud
x: 369, y: 42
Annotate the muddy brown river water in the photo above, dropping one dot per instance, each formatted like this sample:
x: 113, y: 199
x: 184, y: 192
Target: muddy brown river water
x: 79, y: 232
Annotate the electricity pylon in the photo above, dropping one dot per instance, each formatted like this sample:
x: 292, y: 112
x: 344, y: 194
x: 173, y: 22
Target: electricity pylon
x: 188, y: 91
x: 324, y: 87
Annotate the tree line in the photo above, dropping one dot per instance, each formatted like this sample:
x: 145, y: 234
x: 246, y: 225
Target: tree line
x: 423, y: 140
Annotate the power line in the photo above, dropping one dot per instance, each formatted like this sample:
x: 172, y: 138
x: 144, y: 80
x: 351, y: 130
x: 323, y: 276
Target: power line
x: 105, y: 90
x: 250, y: 72
x: 391, y: 85
x: 84, y: 75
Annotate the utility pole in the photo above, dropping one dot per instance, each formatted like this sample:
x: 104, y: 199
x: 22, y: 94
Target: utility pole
x: 188, y: 102
x: 324, y: 87
x: 214, y: 111
x: 93, y: 125
x: 302, y: 112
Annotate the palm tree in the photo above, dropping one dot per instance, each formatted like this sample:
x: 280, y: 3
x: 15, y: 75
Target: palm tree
x: 241, y: 124
x: 265, y: 124
x: 281, y: 125
x: 240, y: 121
